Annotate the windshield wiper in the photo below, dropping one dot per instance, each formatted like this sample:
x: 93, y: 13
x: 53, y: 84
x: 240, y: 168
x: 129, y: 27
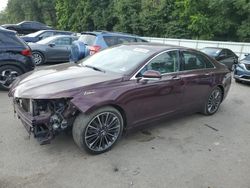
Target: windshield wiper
x: 94, y: 68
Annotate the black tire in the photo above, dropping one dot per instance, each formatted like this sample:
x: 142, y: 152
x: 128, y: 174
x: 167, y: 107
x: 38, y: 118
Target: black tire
x: 213, y: 102
x: 8, y: 74
x: 238, y: 81
x: 38, y: 58
x: 87, y: 134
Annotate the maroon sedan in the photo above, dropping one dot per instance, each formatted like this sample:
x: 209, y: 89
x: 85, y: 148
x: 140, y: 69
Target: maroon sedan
x: 118, y: 89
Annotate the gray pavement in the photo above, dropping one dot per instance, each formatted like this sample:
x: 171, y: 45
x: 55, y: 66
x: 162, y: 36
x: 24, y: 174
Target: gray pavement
x: 184, y: 152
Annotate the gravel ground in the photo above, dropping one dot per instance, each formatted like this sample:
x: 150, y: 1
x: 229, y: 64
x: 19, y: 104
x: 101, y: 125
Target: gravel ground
x: 193, y: 151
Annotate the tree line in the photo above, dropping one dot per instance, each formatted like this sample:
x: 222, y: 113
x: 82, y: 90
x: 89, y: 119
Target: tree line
x: 194, y: 19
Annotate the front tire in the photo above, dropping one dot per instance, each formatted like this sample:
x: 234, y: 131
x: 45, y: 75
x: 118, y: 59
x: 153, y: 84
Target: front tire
x: 8, y: 74
x: 99, y: 131
x: 38, y: 58
x: 213, y: 102
x: 237, y: 81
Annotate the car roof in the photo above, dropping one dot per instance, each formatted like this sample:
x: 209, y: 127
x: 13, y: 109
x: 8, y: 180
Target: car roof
x: 101, y: 32
x: 51, y: 30
x: 26, y: 21
x: 156, y: 47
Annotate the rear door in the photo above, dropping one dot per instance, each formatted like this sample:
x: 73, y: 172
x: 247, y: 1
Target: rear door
x: 197, y: 75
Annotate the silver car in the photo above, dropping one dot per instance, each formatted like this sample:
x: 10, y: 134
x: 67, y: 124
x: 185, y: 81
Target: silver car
x: 52, y: 49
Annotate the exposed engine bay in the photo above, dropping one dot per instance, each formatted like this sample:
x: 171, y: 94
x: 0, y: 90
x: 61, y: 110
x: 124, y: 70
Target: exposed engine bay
x: 49, y: 117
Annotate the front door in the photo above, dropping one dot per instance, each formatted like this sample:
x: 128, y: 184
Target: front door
x: 60, y: 50
x: 157, y: 98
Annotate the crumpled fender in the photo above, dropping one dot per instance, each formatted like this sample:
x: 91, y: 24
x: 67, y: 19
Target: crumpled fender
x: 93, y: 100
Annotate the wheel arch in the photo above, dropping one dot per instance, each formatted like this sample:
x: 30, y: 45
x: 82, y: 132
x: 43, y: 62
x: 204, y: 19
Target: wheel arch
x: 42, y: 53
x: 222, y: 90
x: 14, y: 64
x: 92, y: 108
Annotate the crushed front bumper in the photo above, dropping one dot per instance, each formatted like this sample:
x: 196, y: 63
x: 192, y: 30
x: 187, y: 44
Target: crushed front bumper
x: 33, y: 124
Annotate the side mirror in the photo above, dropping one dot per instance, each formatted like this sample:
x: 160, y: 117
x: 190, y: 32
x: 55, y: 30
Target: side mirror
x: 150, y: 75
x: 52, y: 45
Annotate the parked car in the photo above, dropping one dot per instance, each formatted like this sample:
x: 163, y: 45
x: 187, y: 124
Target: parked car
x: 223, y: 55
x: 15, y: 58
x: 27, y: 27
x: 91, y: 42
x: 39, y: 35
x: 52, y: 49
x: 118, y: 89
x: 242, y: 70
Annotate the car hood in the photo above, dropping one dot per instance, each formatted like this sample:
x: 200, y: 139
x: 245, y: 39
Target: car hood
x: 58, y: 81
x: 245, y: 61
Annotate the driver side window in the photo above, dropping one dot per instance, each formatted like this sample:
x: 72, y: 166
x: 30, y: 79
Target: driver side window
x: 163, y: 63
x: 63, y: 41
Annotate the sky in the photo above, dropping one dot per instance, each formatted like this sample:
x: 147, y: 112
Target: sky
x: 3, y: 4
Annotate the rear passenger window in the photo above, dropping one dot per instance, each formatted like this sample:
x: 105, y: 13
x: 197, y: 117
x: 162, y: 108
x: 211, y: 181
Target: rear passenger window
x: 194, y: 61
x: 114, y: 40
x: 110, y: 41
x: 87, y: 39
x: 63, y: 41
x: 125, y: 40
x: 230, y: 53
x: 141, y: 40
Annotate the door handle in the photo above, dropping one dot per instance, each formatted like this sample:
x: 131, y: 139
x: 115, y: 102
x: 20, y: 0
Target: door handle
x: 176, y: 78
x: 207, y: 74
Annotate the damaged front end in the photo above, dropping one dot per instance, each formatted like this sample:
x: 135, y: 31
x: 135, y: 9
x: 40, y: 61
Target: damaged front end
x: 45, y: 118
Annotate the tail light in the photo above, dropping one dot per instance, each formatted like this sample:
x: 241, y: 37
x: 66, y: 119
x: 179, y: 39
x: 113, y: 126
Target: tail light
x: 26, y: 52
x: 94, y: 49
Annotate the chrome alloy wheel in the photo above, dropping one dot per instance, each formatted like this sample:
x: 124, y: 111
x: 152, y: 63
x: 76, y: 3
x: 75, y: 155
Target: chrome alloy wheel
x: 102, y: 131
x: 7, y: 76
x: 214, y: 101
x: 37, y: 57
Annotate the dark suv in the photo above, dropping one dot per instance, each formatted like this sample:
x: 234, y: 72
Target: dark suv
x: 92, y: 42
x: 15, y: 58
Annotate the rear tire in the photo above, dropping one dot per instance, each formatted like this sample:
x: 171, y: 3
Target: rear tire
x: 38, y: 58
x: 8, y: 74
x: 213, y: 102
x: 99, y: 131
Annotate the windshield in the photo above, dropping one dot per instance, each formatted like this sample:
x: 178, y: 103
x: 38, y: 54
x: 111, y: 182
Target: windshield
x: 87, y: 39
x: 46, y: 40
x: 211, y: 51
x: 34, y: 34
x: 122, y: 59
